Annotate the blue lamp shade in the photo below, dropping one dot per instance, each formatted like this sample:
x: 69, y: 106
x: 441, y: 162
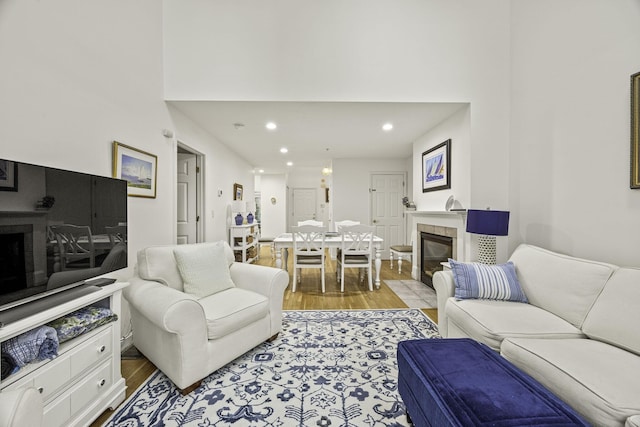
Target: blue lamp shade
x: 490, y: 223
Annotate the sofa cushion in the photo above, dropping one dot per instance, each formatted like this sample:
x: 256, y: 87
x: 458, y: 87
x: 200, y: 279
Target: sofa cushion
x: 204, y: 269
x: 615, y: 317
x: 496, y: 282
x: 492, y: 321
x: 157, y: 263
x: 232, y: 309
x: 600, y: 381
x: 564, y: 285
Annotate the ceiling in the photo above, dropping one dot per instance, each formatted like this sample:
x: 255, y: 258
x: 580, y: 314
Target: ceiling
x: 315, y: 132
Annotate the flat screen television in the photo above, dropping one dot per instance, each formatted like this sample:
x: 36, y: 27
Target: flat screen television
x: 58, y: 230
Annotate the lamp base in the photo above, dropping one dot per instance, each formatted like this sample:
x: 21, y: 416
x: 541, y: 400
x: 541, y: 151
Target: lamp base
x: 487, y: 249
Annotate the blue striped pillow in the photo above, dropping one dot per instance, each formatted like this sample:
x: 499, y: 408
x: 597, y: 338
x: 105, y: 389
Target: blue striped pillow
x: 481, y: 281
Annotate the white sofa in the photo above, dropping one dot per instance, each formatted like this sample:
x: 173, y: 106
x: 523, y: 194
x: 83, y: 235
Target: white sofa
x: 579, y: 335
x: 188, y: 338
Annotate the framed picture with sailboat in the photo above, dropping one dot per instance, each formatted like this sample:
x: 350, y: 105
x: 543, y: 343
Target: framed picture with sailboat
x: 436, y: 167
x: 137, y: 167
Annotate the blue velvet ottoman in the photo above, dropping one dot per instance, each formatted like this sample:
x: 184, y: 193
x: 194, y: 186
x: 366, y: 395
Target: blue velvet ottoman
x: 460, y: 382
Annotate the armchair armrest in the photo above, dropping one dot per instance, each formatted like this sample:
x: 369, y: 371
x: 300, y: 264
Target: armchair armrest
x: 445, y: 288
x: 268, y: 281
x: 165, y: 307
x: 21, y: 407
x: 633, y: 421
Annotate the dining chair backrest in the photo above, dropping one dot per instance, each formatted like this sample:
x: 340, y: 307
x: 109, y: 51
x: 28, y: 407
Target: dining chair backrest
x: 311, y: 222
x: 117, y: 234
x: 357, y: 240
x: 308, y: 240
x: 75, y: 243
x: 345, y: 223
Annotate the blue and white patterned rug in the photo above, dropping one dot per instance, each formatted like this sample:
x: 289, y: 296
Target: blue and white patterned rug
x: 326, y: 368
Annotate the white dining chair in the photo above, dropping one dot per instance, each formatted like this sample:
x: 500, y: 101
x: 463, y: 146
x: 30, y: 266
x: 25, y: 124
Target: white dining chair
x: 311, y: 222
x: 75, y: 246
x: 345, y: 223
x: 308, y: 251
x: 356, y: 252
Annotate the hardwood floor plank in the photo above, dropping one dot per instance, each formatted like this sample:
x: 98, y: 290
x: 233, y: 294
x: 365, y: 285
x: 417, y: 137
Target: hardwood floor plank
x: 308, y: 296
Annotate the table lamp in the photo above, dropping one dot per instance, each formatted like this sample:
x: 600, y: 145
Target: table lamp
x: 487, y: 224
x: 238, y: 206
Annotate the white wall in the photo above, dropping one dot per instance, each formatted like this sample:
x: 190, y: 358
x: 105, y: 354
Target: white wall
x: 273, y: 215
x: 569, y: 175
x: 457, y: 129
x: 304, y: 50
x: 222, y: 168
x: 312, y: 178
x: 351, y: 183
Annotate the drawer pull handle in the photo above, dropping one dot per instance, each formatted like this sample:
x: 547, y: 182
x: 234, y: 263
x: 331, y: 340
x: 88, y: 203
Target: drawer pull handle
x: 40, y: 390
x: 102, y: 382
x: 102, y: 349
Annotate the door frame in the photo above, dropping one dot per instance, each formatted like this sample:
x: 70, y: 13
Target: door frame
x: 405, y: 185
x: 181, y: 147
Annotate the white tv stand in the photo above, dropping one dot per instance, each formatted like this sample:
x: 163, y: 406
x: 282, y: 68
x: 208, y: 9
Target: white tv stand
x: 85, y: 379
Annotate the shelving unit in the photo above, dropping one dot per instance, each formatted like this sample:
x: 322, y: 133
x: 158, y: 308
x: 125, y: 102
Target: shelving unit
x: 243, y: 239
x: 84, y: 379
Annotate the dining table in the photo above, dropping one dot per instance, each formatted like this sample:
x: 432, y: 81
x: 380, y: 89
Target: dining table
x: 332, y: 239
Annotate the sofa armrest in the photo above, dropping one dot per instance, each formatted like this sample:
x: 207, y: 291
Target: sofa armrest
x: 21, y: 407
x: 633, y: 421
x: 165, y: 307
x: 445, y: 288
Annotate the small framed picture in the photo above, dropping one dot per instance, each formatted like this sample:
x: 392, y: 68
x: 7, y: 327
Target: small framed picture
x: 436, y: 167
x: 138, y: 168
x: 8, y: 176
x: 237, y: 192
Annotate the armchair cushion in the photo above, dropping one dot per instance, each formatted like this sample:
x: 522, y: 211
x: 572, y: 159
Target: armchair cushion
x: 204, y: 269
x: 231, y: 310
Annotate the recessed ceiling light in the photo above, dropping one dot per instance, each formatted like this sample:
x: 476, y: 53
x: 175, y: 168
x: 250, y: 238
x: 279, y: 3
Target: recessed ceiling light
x: 261, y: 170
x: 387, y: 127
x: 284, y: 150
x: 289, y: 163
x: 271, y: 126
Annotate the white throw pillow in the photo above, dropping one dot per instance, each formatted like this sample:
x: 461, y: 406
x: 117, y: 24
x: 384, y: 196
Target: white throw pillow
x: 204, y: 269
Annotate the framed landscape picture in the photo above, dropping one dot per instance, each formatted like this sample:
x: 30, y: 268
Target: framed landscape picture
x: 8, y: 176
x: 635, y: 130
x: 137, y: 167
x: 436, y: 167
x: 237, y: 192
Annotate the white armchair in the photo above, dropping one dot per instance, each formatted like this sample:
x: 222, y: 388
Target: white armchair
x: 188, y: 338
x: 20, y: 407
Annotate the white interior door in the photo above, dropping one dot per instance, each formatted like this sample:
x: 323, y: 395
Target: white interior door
x: 387, y: 213
x: 303, y: 205
x: 187, y: 201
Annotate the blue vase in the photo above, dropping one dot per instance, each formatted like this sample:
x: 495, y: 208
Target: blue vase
x: 239, y: 219
x: 250, y: 218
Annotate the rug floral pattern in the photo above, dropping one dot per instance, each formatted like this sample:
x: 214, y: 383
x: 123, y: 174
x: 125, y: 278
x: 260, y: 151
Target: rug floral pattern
x: 327, y: 368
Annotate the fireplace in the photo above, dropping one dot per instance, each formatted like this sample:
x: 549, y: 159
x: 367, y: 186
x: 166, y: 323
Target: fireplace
x: 16, y: 244
x: 434, y: 249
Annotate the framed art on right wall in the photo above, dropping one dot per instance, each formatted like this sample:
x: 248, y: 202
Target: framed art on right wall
x: 436, y: 167
x: 635, y: 130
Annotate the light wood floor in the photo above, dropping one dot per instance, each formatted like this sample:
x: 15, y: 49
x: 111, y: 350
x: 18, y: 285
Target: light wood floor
x: 308, y: 296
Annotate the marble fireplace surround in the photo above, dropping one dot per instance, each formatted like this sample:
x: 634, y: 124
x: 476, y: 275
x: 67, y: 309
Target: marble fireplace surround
x: 443, y: 223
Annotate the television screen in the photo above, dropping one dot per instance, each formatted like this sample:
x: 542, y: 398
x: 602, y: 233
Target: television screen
x: 58, y: 228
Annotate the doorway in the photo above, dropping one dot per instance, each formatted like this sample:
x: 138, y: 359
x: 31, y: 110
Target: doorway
x: 387, y: 212
x: 189, y: 195
x: 303, y: 205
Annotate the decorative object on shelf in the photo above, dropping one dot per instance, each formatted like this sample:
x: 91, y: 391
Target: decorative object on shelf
x: 407, y: 204
x: 237, y: 192
x: 450, y: 203
x: 635, y: 130
x: 238, y: 206
x: 138, y: 168
x: 251, y: 207
x: 488, y: 224
x: 436, y: 167
x: 46, y: 202
x: 8, y: 175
